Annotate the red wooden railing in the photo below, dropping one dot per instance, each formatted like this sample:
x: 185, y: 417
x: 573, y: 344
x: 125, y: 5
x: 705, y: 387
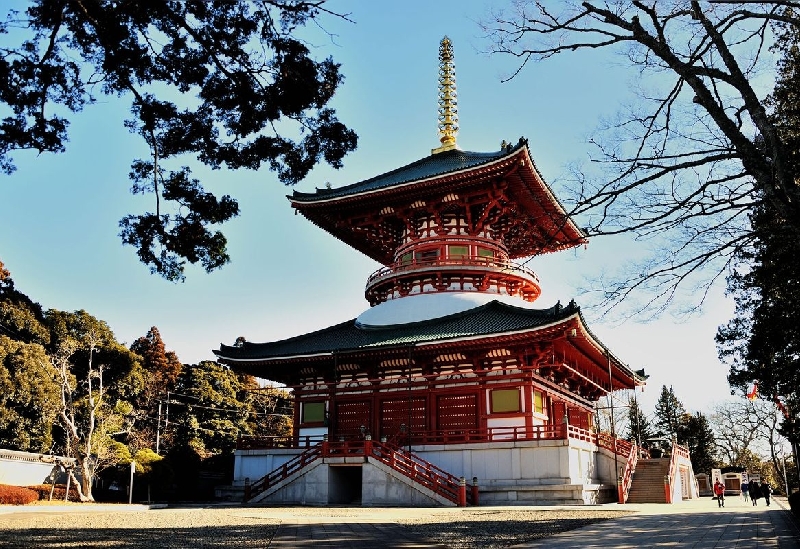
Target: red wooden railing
x: 624, y: 482
x: 406, y: 463
x: 669, y: 480
x: 445, y: 436
x: 283, y: 472
x: 420, y: 471
x: 495, y: 264
x: 631, y: 452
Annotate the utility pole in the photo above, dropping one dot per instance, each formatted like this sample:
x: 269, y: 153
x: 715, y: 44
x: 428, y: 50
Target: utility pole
x: 158, y: 429
x: 130, y: 491
x: 611, y: 401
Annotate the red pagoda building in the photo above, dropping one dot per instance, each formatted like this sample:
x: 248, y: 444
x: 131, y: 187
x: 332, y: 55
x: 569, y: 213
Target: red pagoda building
x: 451, y: 377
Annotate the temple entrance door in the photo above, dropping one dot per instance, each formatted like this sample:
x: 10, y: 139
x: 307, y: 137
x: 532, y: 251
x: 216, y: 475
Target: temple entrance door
x: 578, y: 418
x: 457, y: 416
x: 395, y: 419
x: 351, y: 416
x: 559, y: 416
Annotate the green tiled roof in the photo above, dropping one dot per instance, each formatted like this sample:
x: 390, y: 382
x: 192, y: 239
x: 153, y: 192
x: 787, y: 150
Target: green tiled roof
x: 485, y: 320
x: 430, y: 166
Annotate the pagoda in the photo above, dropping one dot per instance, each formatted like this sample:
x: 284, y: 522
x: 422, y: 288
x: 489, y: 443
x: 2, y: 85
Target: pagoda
x: 451, y: 376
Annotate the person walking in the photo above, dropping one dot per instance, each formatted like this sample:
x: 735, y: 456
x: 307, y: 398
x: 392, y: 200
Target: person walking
x: 766, y: 491
x: 744, y: 490
x: 719, y: 491
x: 755, y: 492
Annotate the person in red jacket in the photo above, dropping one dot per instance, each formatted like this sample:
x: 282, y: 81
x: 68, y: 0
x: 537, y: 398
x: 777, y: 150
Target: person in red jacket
x: 719, y: 491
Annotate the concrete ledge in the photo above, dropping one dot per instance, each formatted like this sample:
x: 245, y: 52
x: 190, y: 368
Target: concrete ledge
x: 83, y: 508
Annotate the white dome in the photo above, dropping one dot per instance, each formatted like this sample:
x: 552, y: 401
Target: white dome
x: 419, y: 307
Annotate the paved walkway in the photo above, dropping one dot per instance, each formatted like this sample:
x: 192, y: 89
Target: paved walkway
x: 696, y: 524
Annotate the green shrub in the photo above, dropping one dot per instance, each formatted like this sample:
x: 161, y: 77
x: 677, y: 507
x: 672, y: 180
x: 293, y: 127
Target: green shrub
x: 16, y: 495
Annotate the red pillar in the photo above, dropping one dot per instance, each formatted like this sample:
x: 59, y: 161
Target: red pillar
x: 462, y: 492
x: 368, y: 445
x: 296, y: 420
x: 527, y: 391
x: 667, y: 489
x: 475, y: 491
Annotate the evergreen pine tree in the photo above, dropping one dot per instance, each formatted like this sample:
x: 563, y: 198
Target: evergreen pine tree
x: 695, y: 432
x: 669, y: 412
x: 639, y: 427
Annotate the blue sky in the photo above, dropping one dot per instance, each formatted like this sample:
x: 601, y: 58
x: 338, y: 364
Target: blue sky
x: 59, y: 213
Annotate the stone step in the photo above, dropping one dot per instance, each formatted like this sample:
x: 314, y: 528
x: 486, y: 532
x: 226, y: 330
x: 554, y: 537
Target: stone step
x: 647, y: 484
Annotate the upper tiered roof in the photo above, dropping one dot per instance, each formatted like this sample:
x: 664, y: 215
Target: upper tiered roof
x: 427, y: 168
x: 534, y: 220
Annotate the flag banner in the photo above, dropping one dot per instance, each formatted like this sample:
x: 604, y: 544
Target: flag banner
x: 781, y: 407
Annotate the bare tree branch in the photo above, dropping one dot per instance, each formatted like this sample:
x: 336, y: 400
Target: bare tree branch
x: 685, y: 166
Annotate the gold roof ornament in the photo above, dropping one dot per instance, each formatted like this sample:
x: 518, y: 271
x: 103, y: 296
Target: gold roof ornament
x: 448, y: 100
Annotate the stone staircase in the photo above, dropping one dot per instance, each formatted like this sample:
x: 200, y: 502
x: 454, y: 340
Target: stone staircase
x: 647, y: 485
x: 437, y: 484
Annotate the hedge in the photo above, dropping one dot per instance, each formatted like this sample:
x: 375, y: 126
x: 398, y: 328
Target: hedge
x: 17, y: 495
x: 43, y: 492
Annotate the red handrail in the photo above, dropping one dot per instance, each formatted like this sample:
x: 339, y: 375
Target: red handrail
x: 283, y: 472
x: 406, y: 463
x: 420, y: 471
x: 669, y: 481
x: 443, y: 436
x: 624, y: 484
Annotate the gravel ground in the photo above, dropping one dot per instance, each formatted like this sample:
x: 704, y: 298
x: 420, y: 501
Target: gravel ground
x: 502, y: 528
x: 229, y: 527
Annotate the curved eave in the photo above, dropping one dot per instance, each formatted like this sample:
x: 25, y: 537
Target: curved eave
x: 320, y: 198
x: 543, y: 202
x: 588, y: 343
x: 517, y: 167
x: 282, y: 366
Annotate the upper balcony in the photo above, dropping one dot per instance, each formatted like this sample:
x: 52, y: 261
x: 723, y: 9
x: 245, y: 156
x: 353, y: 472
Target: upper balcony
x: 465, y: 273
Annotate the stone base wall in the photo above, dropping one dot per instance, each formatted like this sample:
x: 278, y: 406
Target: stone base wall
x: 553, y: 472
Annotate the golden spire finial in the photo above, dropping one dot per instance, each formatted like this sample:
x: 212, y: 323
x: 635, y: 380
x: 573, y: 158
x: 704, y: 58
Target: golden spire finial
x: 448, y: 101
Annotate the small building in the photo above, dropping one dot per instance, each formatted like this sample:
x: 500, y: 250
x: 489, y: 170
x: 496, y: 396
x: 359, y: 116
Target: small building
x: 732, y: 478
x: 451, y: 376
x: 703, y: 484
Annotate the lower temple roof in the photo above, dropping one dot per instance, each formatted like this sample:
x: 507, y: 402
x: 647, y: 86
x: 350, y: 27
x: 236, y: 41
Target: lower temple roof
x: 493, y: 318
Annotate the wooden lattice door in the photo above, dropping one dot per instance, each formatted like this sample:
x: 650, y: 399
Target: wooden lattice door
x: 351, y: 416
x: 457, y: 413
x: 396, y: 418
x: 578, y: 418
